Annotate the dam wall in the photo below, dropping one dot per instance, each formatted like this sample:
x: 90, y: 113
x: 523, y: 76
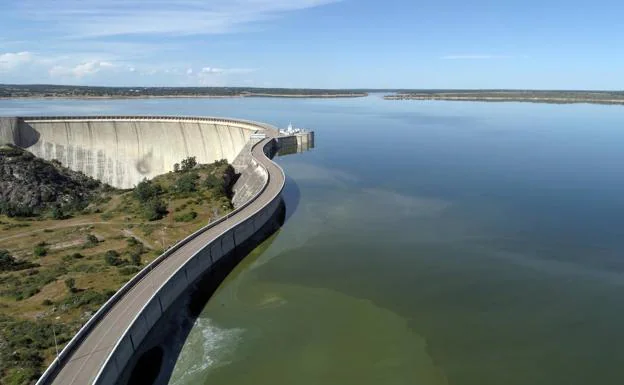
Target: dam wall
x: 122, y: 151
x: 252, y: 175
x: 8, y: 130
x: 166, y: 295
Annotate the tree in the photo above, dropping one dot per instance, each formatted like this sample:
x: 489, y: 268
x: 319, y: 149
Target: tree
x: 112, y: 258
x: 71, y: 285
x: 212, y: 181
x: 40, y: 250
x: 154, y: 209
x: 147, y: 190
x: 176, y: 167
x: 189, y: 163
x: 187, y: 183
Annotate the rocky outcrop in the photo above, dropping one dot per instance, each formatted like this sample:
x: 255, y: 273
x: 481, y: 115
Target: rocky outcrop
x: 30, y: 185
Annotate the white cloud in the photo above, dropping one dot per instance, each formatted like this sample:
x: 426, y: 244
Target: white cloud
x: 10, y: 61
x: 81, y: 70
x: 189, y: 71
x: 80, y: 19
x: 212, y: 76
x: 209, y: 70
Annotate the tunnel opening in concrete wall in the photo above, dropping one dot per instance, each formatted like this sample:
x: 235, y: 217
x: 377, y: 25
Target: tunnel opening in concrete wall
x: 148, y: 367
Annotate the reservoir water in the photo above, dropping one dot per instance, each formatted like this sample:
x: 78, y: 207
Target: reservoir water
x: 425, y: 243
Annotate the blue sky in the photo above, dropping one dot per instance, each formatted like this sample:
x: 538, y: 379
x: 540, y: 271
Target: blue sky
x: 546, y: 44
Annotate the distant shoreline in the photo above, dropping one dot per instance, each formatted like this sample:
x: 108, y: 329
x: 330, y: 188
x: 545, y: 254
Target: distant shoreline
x: 571, y: 99
x: 258, y: 95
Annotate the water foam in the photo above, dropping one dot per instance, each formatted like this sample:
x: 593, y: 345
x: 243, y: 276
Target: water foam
x: 207, y: 347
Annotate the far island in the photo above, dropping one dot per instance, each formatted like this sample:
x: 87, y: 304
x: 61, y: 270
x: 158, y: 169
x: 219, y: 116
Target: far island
x: 535, y: 96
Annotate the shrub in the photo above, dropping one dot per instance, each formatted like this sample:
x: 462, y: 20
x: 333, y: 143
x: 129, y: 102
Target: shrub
x: 47, y: 302
x: 40, y: 251
x: 176, y: 167
x: 212, y: 181
x: 135, y: 258
x: 106, y: 216
x: 9, y: 263
x: 188, y: 163
x: 71, y: 285
x: 112, y: 258
x: 57, y: 213
x: 186, y: 217
x: 146, y: 191
x: 91, y: 241
x: 154, y: 209
x: 187, y: 183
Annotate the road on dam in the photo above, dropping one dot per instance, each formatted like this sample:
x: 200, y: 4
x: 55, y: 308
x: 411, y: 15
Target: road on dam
x: 82, y: 365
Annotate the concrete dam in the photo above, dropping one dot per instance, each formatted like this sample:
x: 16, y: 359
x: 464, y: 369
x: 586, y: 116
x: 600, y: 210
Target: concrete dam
x: 122, y: 151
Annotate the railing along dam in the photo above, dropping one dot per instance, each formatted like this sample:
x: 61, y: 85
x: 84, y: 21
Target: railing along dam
x: 99, y: 146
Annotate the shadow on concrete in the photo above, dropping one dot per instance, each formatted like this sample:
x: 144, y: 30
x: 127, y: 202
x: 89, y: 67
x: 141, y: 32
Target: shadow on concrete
x: 25, y: 135
x: 171, y: 331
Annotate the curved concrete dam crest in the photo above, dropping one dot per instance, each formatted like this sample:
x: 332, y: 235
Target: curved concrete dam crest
x: 122, y: 151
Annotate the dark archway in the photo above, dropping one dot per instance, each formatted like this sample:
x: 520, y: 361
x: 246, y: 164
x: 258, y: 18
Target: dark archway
x: 148, y: 367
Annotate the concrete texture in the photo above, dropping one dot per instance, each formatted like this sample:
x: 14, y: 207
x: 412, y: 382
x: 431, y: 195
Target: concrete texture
x: 100, y: 352
x: 293, y: 144
x: 8, y: 130
x: 122, y: 151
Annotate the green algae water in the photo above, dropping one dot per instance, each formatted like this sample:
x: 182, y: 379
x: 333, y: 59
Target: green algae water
x: 425, y: 243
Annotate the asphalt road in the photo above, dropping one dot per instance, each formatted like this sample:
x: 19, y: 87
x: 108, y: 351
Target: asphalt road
x: 84, y: 363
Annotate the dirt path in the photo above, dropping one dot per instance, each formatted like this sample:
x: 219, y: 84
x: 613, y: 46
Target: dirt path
x: 66, y: 225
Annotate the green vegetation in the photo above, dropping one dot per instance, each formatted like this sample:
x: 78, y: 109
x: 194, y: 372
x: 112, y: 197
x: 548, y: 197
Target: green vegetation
x: 9, y: 263
x: 71, y: 285
x: 188, y: 164
x: 68, y: 262
x: 24, y: 344
x: 186, y: 217
x: 40, y: 250
x: 35, y: 90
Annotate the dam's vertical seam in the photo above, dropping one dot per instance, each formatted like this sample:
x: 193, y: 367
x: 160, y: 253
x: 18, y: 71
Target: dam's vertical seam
x: 229, y: 133
x: 113, y: 172
x: 136, y: 132
x: 203, y: 140
x: 186, y: 150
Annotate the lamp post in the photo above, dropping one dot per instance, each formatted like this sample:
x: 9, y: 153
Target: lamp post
x: 54, y: 333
